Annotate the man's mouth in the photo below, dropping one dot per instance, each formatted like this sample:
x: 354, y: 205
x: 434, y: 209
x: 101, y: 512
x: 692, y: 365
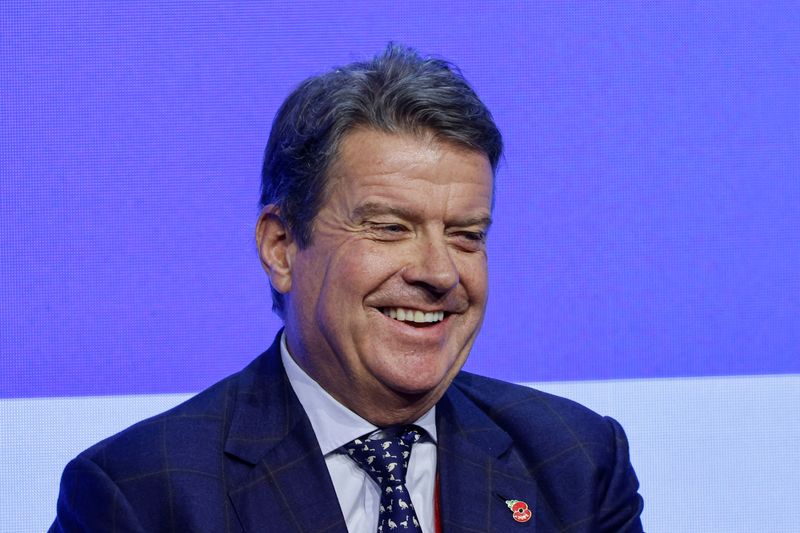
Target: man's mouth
x: 413, y: 316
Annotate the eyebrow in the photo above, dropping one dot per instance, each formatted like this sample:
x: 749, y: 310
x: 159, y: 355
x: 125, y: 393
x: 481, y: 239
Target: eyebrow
x: 371, y: 209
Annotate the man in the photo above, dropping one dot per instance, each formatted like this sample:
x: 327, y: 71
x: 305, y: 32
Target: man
x: 377, y: 198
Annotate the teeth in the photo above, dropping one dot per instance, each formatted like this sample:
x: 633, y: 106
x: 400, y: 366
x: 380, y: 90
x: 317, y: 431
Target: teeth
x: 411, y: 315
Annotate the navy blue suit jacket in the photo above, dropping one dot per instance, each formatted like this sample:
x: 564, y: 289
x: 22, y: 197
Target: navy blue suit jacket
x: 241, y: 456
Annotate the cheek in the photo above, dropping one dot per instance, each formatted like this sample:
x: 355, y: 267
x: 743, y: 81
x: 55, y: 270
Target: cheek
x: 351, y: 274
x: 310, y: 287
x: 364, y: 265
x: 475, y: 276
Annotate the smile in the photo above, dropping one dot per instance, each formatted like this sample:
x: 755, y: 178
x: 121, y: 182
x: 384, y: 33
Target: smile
x: 411, y: 315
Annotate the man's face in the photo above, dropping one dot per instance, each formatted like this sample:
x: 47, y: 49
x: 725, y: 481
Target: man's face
x: 387, y: 300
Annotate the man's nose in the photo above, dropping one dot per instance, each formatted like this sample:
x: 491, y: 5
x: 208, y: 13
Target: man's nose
x: 432, y: 266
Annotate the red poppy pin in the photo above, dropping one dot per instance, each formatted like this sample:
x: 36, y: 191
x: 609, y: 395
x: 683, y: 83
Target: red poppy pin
x: 520, y: 510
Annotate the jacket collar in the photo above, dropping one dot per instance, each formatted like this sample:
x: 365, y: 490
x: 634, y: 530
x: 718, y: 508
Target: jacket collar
x: 287, y: 487
x: 479, y: 470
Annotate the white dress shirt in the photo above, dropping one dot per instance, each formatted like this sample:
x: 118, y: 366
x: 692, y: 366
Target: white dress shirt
x: 335, y: 425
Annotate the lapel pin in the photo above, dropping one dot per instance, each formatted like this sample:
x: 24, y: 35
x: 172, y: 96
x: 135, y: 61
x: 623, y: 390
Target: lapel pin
x: 520, y: 510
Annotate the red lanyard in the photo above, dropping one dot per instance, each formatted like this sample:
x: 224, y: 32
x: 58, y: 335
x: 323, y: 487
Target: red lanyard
x: 437, y: 518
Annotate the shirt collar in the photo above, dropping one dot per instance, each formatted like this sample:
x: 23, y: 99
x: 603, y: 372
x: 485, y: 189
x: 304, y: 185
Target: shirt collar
x: 333, y: 423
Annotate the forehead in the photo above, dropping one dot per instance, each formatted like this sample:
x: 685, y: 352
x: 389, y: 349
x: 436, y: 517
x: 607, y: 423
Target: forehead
x: 420, y: 167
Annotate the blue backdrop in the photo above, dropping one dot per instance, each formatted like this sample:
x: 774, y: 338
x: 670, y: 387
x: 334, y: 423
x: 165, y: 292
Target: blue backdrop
x: 647, y: 214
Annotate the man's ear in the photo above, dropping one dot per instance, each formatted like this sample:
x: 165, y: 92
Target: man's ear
x: 276, y: 248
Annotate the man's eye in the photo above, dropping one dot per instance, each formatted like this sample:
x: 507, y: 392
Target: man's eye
x: 475, y: 236
x: 391, y: 228
x: 470, y: 240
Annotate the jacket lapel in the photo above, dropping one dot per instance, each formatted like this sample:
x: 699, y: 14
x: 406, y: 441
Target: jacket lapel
x: 479, y: 471
x: 279, y: 481
x: 283, y: 483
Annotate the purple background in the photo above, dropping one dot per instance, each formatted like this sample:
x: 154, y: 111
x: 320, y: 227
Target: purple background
x: 648, y: 209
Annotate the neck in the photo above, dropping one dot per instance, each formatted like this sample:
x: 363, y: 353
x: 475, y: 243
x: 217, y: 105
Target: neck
x: 394, y: 410
x: 371, y: 400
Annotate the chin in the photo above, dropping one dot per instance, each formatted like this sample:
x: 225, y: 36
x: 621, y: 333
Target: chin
x: 415, y: 383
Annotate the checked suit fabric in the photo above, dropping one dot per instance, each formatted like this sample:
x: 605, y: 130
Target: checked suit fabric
x: 240, y: 457
x: 385, y: 460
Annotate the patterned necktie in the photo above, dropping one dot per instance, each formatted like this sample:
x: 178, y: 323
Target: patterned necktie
x: 386, y: 461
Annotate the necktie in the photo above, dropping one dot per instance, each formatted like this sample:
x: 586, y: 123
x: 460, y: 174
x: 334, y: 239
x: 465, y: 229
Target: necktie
x: 386, y: 462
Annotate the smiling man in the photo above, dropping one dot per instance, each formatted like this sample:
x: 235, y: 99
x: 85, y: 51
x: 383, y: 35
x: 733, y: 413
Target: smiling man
x: 377, y: 198
x: 384, y: 303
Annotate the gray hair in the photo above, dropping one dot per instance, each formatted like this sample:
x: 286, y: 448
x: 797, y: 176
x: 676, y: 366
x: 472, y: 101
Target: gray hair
x: 398, y: 91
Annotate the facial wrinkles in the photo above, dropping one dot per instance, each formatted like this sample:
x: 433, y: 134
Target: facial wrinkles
x: 431, y: 162
x: 366, y: 309
x: 440, y: 201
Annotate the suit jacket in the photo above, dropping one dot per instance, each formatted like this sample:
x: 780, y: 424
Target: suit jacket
x: 242, y: 456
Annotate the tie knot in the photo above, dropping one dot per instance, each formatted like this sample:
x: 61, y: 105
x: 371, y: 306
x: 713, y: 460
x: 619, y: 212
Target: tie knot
x: 384, y: 459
